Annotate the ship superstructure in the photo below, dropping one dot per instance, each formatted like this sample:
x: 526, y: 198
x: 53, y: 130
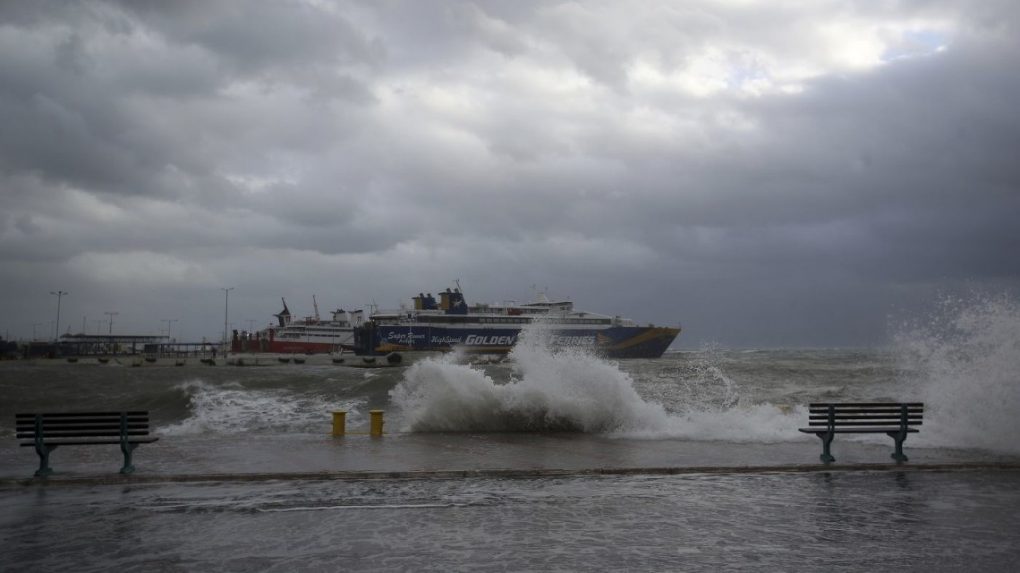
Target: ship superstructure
x: 450, y: 323
x: 308, y: 335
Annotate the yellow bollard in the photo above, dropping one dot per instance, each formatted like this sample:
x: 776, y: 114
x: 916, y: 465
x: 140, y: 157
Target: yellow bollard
x: 339, y: 423
x: 377, y: 423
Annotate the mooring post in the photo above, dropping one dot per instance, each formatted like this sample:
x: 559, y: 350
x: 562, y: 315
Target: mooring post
x: 377, y: 423
x: 339, y: 423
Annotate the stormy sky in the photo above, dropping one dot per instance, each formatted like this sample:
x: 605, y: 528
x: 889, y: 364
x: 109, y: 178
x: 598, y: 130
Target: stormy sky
x: 767, y: 174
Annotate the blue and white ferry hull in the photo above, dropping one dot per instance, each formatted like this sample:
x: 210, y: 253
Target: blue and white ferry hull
x: 611, y: 342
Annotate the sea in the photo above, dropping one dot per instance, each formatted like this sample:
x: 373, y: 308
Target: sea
x: 545, y: 460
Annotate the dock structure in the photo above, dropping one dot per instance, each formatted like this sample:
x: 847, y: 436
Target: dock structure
x: 115, y: 344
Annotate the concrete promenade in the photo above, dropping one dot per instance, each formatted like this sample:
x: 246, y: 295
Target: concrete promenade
x: 453, y: 455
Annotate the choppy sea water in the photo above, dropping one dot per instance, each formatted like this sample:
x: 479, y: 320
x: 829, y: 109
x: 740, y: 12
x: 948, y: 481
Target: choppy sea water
x: 964, y: 366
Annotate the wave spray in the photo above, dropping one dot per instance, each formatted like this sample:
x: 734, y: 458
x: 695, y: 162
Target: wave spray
x: 966, y: 358
x: 549, y: 390
x: 564, y: 389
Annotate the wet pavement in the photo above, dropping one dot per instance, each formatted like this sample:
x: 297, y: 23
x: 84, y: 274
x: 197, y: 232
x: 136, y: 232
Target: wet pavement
x: 422, y: 454
x: 502, y: 502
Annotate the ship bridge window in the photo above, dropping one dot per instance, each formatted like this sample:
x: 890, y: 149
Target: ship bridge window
x: 491, y: 320
x: 447, y: 318
x: 585, y: 321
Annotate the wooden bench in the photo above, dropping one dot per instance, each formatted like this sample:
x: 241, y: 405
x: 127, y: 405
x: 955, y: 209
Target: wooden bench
x: 47, y: 432
x: 895, y: 419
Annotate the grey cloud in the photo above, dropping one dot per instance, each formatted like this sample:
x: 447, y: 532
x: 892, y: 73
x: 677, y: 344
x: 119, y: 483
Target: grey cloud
x: 373, y: 150
x: 258, y: 36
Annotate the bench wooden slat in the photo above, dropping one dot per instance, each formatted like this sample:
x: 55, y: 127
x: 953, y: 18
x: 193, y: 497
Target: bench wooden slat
x: 839, y: 423
x: 862, y: 424
x: 110, y: 432
x: 865, y: 404
x: 83, y: 420
x: 49, y: 434
x: 85, y: 425
x: 865, y: 414
x: 856, y: 430
x: 75, y: 421
x: 92, y: 442
x: 83, y: 429
x: 80, y: 419
x: 68, y: 414
x: 863, y: 410
x: 863, y: 420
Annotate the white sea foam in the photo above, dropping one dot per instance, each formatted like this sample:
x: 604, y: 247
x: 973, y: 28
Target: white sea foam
x: 233, y: 409
x: 570, y: 390
x: 967, y: 356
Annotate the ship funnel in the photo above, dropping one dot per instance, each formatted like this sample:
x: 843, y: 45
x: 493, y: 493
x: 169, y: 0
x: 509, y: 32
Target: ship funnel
x: 284, y: 315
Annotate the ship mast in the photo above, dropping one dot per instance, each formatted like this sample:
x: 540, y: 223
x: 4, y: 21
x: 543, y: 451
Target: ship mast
x: 315, y: 305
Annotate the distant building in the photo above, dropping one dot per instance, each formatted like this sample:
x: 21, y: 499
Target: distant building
x: 8, y: 349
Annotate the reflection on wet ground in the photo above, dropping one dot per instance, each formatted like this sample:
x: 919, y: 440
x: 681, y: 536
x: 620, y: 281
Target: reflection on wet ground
x: 779, y: 521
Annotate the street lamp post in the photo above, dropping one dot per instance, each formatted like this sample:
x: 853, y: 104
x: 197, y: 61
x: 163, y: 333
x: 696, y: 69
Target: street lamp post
x: 169, y: 333
x: 169, y: 327
x: 226, y: 310
x: 111, y: 315
x: 56, y: 328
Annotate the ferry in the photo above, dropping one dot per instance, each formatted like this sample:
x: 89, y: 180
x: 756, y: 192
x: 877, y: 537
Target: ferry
x: 310, y: 335
x: 451, y: 324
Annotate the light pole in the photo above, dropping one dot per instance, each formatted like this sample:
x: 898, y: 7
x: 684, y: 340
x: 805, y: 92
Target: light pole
x: 56, y: 328
x: 111, y: 315
x: 226, y: 310
x: 169, y: 327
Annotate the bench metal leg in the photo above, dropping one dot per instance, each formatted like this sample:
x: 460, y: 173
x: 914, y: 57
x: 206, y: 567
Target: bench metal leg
x: 127, y: 449
x: 44, y: 460
x: 899, y: 437
x: 826, y: 438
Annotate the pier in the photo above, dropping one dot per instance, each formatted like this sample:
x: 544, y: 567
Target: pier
x: 85, y: 345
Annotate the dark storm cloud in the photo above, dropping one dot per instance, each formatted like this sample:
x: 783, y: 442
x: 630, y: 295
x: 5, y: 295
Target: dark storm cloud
x: 100, y: 99
x: 769, y: 175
